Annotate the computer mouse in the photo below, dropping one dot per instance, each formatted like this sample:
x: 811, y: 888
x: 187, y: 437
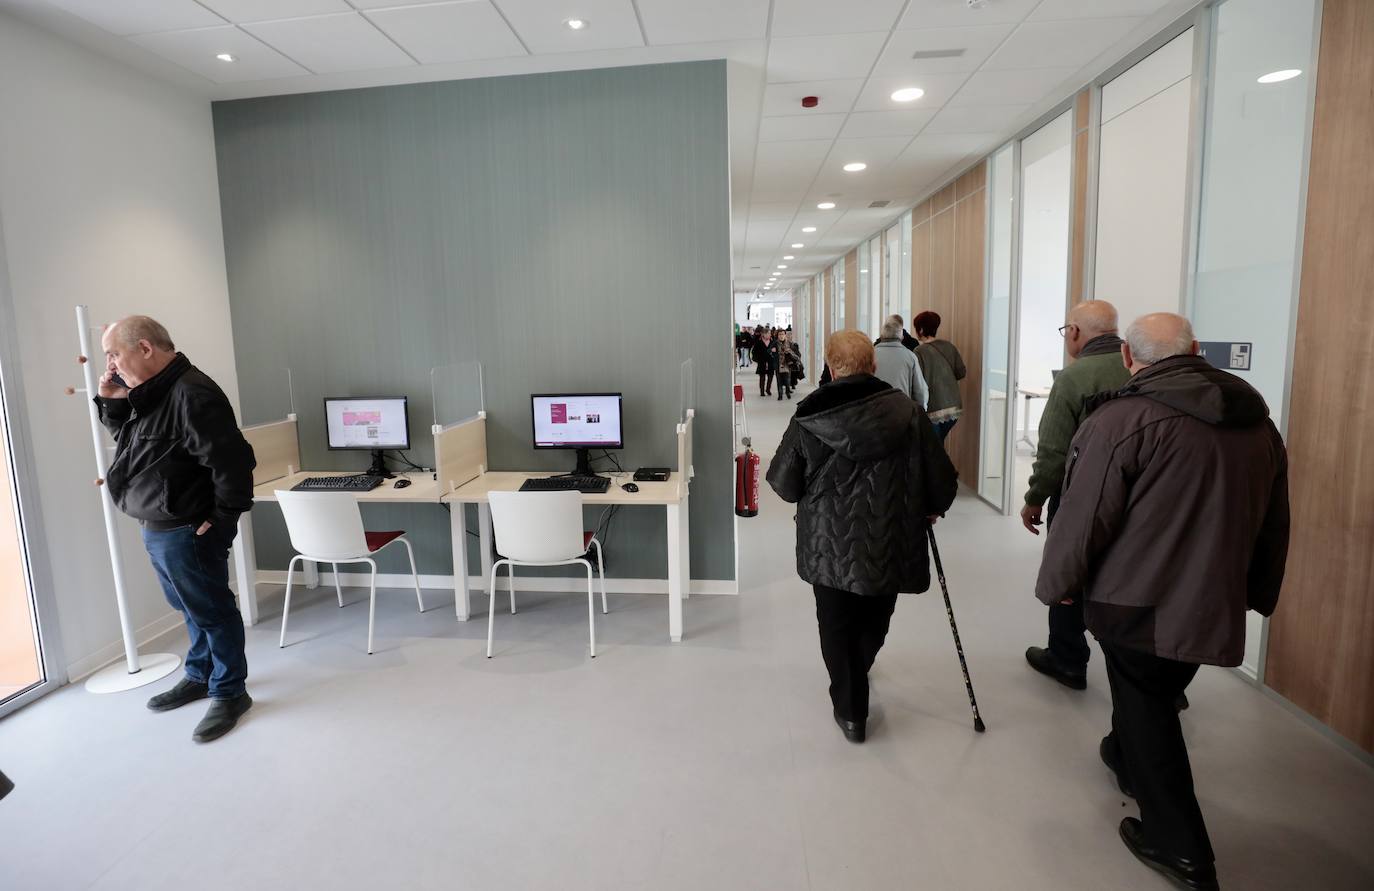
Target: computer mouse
x: 630, y: 487
x: 400, y: 483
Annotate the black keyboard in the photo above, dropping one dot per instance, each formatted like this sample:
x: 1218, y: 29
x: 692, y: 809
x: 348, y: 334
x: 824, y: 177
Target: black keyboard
x: 587, y: 485
x: 359, y: 483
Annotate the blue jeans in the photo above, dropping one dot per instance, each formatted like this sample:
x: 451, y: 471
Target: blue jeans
x: 194, y: 573
x: 942, y: 428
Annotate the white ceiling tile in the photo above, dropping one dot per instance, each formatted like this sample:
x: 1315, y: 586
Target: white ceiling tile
x: 957, y: 14
x: 1062, y: 10
x: 196, y: 50
x: 611, y: 24
x: 977, y: 44
x: 1059, y: 44
x: 262, y: 10
x: 887, y: 123
x: 703, y: 21
x: 778, y: 211
x: 877, y: 93
x: 449, y: 32
x: 804, y: 18
x: 384, y: 4
x: 800, y: 126
x: 946, y: 147
x: 1026, y: 86
x: 802, y: 151
x: 332, y: 43
x: 975, y: 118
x: 141, y: 16
x: 822, y: 58
x: 875, y: 151
x: 834, y: 96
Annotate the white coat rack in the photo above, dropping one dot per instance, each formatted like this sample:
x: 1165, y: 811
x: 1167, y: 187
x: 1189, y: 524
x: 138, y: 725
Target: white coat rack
x: 137, y: 670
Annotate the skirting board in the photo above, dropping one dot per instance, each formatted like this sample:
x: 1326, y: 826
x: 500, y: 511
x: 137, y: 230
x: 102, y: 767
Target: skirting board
x: 114, y: 652
x: 552, y: 584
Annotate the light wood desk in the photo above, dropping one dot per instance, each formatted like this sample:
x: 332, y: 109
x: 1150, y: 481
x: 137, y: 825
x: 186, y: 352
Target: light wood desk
x: 670, y: 495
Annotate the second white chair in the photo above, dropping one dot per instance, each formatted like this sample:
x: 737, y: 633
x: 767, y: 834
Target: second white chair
x: 542, y: 529
x: 327, y: 527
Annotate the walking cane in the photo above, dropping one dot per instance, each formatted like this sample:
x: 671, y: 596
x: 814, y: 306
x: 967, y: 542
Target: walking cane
x: 978, y: 724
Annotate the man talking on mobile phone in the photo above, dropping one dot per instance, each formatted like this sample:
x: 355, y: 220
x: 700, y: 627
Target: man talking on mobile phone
x: 184, y: 471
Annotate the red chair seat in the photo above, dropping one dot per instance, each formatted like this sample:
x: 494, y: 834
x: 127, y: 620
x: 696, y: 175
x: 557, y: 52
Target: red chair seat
x: 378, y: 540
x: 587, y: 539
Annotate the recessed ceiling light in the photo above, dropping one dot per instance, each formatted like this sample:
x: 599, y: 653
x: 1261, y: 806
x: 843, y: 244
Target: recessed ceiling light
x: 225, y: 57
x: 576, y: 24
x: 799, y: 245
x: 1274, y: 77
x: 908, y: 94
x: 808, y: 228
x: 789, y: 257
x: 782, y: 265
x: 826, y: 205
x: 855, y: 167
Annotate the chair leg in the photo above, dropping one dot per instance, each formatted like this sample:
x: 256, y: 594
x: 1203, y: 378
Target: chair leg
x: 591, y: 608
x: 286, y: 606
x: 491, y: 604
x: 338, y: 589
x: 601, y: 572
x: 372, y: 606
x: 419, y: 598
x: 511, y: 569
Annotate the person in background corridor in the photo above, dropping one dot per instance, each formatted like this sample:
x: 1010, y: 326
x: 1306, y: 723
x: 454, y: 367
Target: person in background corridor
x: 1090, y: 337
x: 943, y: 368
x: 742, y: 344
x: 1173, y: 521
x: 763, y: 362
x: 867, y: 473
x: 897, y: 365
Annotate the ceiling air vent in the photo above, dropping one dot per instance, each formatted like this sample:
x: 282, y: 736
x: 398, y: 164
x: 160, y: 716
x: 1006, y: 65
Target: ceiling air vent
x: 883, y: 203
x: 938, y: 54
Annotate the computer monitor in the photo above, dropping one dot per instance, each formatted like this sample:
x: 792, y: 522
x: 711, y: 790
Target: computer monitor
x: 373, y: 423
x: 581, y: 421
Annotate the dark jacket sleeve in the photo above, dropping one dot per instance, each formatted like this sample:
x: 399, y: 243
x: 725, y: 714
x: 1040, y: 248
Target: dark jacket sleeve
x: 787, y: 470
x: 1271, y: 547
x: 940, y: 478
x: 113, y: 413
x: 1091, y: 512
x: 214, y: 440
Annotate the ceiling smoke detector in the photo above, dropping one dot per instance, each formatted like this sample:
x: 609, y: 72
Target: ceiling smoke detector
x: 810, y: 101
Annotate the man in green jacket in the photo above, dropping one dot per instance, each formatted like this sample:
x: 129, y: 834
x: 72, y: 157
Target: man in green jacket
x: 1092, y: 341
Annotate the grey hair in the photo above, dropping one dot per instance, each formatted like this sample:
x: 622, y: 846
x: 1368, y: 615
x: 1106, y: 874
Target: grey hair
x: 892, y: 327
x: 1147, y: 346
x: 135, y: 328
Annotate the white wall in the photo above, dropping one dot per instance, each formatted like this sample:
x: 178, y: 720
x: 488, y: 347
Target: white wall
x: 108, y: 196
x: 776, y: 299
x: 1142, y: 183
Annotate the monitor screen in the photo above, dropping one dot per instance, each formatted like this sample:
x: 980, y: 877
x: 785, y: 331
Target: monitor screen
x: 358, y: 422
x: 577, y: 421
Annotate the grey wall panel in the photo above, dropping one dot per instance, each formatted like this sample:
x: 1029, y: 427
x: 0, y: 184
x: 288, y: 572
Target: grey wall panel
x: 570, y: 231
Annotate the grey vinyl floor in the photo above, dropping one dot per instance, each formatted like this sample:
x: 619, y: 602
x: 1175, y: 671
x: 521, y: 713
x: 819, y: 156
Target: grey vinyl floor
x: 710, y: 764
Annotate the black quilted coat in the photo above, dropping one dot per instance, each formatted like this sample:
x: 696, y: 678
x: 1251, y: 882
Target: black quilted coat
x: 865, y: 468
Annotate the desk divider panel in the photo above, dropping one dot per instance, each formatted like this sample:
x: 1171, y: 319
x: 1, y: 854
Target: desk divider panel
x: 684, y: 449
x: 460, y: 452
x: 276, y: 446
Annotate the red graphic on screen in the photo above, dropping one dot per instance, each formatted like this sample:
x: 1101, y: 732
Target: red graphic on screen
x: 361, y: 418
x: 558, y: 413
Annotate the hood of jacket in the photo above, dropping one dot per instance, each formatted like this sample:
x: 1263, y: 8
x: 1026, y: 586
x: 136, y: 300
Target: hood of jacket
x: 1195, y: 387
x: 859, y: 416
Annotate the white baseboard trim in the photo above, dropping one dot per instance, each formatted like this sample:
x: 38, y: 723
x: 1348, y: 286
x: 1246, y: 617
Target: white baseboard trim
x: 114, y: 652
x: 556, y: 584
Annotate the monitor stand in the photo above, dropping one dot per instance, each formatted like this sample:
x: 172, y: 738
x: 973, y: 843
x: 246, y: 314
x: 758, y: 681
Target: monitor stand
x: 584, y: 464
x: 378, y: 467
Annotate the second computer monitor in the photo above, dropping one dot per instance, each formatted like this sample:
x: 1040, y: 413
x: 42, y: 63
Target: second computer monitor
x: 579, y: 421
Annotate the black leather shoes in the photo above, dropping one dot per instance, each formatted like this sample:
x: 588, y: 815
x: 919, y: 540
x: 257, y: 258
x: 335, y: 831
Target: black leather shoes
x: 1182, y: 872
x: 1043, y: 661
x: 185, y: 691
x: 1111, y: 756
x: 221, y: 717
x: 854, y: 731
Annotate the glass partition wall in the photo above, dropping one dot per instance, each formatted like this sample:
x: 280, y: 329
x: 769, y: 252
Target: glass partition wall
x: 998, y: 315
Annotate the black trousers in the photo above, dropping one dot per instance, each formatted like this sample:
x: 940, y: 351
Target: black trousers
x: 853, y: 628
x: 1150, y: 746
x: 1068, y: 631
x: 784, y: 383
x: 765, y: 383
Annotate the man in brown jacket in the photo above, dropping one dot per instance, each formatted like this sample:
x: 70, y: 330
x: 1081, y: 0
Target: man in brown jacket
x: 1173, y: 521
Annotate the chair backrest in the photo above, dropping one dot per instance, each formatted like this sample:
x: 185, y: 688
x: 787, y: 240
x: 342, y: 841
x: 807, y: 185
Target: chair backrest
x: 324, y: 524
x: 538, y: 527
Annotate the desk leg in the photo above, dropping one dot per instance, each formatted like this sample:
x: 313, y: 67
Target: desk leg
x: 458, y: 535
x: 246, y: 570
x: 484, y: 535
x: 677, y: 522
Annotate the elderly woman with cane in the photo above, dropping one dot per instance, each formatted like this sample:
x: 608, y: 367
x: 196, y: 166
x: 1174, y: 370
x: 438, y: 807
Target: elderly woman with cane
x: 868, y: 474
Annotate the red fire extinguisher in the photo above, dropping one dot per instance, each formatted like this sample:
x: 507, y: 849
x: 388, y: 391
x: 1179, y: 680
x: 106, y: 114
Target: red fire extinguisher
x: 746, y: 467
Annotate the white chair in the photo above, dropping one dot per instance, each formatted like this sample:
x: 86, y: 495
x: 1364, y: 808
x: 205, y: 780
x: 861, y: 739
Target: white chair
x: 327, y: 527
x: 542, y: 529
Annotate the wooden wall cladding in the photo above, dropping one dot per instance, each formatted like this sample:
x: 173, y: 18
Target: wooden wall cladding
x: 851, y: 288
x: 1321, y: 639
x: 1078, y: 222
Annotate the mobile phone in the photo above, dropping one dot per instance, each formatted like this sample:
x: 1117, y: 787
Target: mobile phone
x: 117, y: 380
